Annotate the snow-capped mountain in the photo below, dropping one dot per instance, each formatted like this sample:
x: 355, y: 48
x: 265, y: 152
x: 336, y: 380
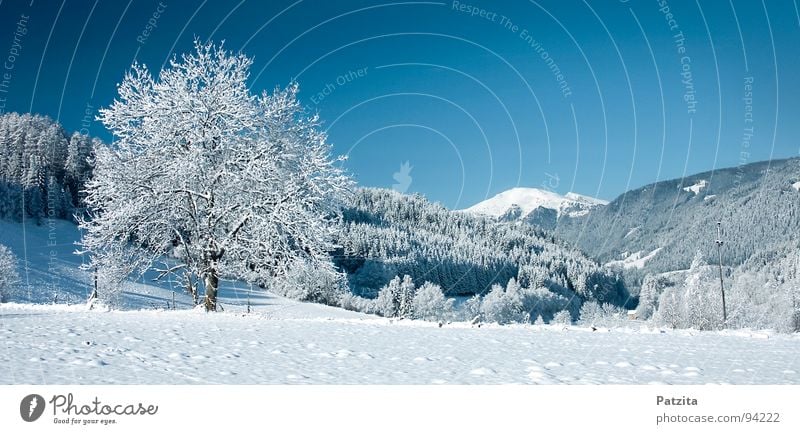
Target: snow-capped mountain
x: 537, y: 206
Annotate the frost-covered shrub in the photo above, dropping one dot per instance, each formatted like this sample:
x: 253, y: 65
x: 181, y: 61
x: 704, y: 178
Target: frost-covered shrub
x: 605, y: 315
x: 471, y: 309
x: 310, y: 282
x: 504, y: 306
x: 542, y: 302
x: 430, y: 303
x: 356, y: 303
x: 8, y: 272
x: 562, y: 318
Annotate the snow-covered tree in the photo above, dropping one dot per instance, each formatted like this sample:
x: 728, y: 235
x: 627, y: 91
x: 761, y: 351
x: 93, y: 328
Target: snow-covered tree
x: 388, y: 301
x: 405, y: 298
x: 652, y: 287
x: 504, y: 305
x: 8, y: 272
x: 309, y: 282
x: 209, y: 178
x: 471, y: 310
x: 430, y: 303
x: 562, y: 318
x: 670, y: 312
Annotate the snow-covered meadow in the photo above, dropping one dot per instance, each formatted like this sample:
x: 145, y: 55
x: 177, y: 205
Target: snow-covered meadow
x: 287, y: 342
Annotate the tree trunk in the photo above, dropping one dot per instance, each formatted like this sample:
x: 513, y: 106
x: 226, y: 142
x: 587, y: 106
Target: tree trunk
x: 191, y: 288
x: 211, y: 281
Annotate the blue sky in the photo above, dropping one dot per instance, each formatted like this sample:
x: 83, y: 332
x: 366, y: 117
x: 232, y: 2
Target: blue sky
x: 595, y: 97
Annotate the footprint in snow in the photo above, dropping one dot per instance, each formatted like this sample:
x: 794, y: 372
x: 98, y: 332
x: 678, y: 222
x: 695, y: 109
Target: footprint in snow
x: 342, y: 354
x: 482, y: 371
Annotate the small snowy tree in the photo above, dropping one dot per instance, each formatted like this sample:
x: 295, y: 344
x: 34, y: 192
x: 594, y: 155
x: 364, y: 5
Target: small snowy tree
x: 309, y: 282
x: 388, y: 302
x: 504, y: 306
x: 591, y: 313
x: 431, y: 304
x: 405, y: 298
x: 669, y: 311
x: 562, y: 318
x: 230, y: 183
x: 8, y: 272
x: 471, y: 310
x: 652, y: 287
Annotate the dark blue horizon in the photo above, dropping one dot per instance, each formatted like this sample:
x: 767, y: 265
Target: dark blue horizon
x: 476, y: 97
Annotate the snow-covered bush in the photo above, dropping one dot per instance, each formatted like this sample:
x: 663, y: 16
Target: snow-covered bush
x: 357, y: 303
x: 471, y: 309
x: 8, y: 272
x: 305, y: 281
x: 562, y: 318
x: 541, y: 302
x: 430, y: 303
x: 603, y: 315
x: 504, y: 306
x: 590, y: 313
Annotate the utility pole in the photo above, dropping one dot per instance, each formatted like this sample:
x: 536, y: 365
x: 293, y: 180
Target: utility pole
x: 721, y: 285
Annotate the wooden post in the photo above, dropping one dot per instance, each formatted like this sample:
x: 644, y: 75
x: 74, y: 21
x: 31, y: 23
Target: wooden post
x: 721, y: 284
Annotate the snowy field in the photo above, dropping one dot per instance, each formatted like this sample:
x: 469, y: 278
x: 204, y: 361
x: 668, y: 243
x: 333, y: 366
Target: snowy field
x: 285, y: 342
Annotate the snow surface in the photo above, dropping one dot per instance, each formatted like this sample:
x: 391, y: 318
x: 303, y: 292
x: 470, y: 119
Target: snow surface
x: 528, y: 199
x: 635, y: 260
x: 796, y: 186
x: 696, y: 187
x: 285, y: 342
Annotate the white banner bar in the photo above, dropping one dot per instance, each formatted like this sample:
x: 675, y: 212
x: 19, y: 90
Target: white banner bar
x: 400, y: 409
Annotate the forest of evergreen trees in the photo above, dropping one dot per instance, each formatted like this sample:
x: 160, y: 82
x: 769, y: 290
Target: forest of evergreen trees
x: 42, y: 168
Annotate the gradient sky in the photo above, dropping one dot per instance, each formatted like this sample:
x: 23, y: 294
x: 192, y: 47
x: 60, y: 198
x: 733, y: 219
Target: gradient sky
x: 463, y: 91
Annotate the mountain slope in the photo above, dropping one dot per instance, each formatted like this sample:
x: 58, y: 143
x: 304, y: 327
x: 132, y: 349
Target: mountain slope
x: 669, y: 221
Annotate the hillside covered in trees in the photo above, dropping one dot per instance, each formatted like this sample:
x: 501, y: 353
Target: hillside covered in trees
x: 670, y: 221
x: 387, y: 234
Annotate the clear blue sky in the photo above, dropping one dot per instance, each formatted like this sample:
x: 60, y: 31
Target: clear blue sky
x: 463, y: 91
